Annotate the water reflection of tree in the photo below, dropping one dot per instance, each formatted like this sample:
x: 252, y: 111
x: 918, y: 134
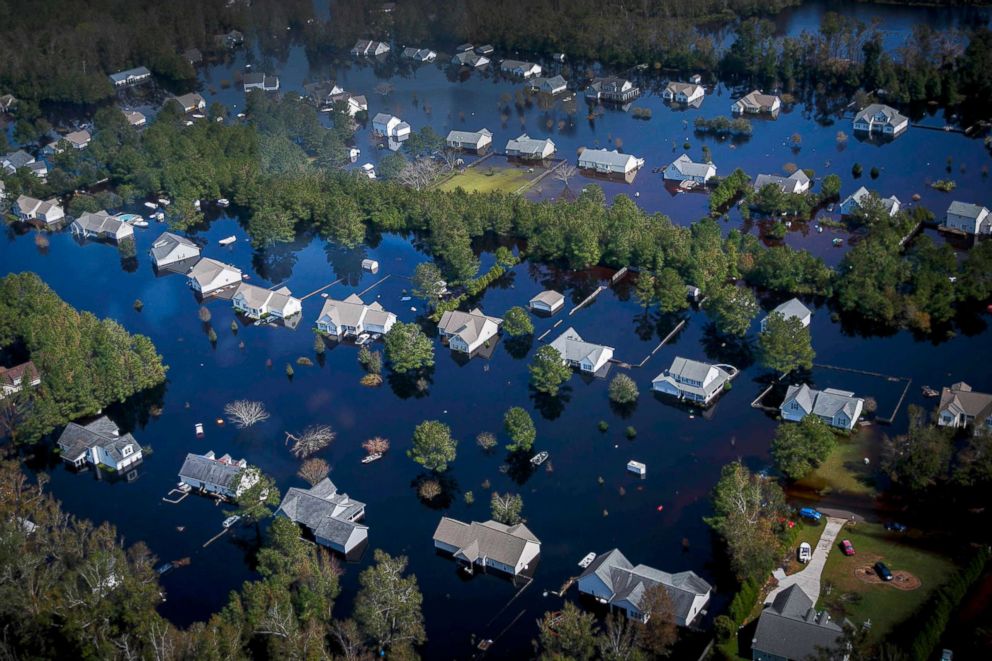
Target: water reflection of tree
x: 412, y: 384
x: 732, y: 349
x: 135, y: 412
x: 449, y: 489
x: 519, y: 347
x: 519, y: 469
x: 624, y: 411
x: 346, y: 262
x: 551, y: 407
x: 275, y: 263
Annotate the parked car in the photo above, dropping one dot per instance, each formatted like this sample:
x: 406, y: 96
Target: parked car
x: 805, y: 552
x: 894, y: 526
x: 847, y: 547
x: 810, y: 513
x: 883, y: 571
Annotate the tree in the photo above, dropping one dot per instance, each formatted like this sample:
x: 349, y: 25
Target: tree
x: 244, y: 413
x: 644, y: 289
x: 658, y: 634
x: 428, y: 282
x: 618, y: 642
x: 799, y: 448
x: 565, y: 172
x: 408, y: 349
x: 258, y: 500
x: 506, y: 508
x: 433, y: 447
x: 376, y: 445
x: 520, y: 428
x: 486, y: 440
x: 568, y: 634
x: 388, y: 605
x: 785, y: 344
x: 313, y: 470
x: 548, y: 371
x: 920, y: 459
x: 623, y: 390
x: 517, y: 322
x: 670, y: 291
x: 313, y: 439
x: 732, y: 309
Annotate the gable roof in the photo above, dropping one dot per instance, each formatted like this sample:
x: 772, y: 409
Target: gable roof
x: 25, y: 371
x: 352, y: 311
x: 961, y: 399
x: 790, y: 184
x: 574, y: 349
x: 790, y: 628
x: 756, y: 99
x: 612, y: 158
x: 323, y: 510
x: 473, y: 137
x: 863, y: 193
x: 793, y: 308
x: 688, y: 167
x: 504, y: 544
x: 102, y: 432
x: 549, y: 297
x: 210, y: 470
x: 826, y: 403
x: 528, y: 145
x: 137, y: 72
x: 206, y: 270
x: 879, y: 112
x: 468, y: 326
x: 967, y: 210
x: 167, y: 243
x: 101, y: 222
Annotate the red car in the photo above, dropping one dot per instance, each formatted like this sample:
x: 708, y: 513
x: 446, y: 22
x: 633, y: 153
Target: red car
x: 847, y: 547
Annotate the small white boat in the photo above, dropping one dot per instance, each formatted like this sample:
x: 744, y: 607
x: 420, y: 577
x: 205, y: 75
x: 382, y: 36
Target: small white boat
x: 140, y: 222
x: 231, y: 520
x: 805, y: 552
x: 228, y: 240
x: 362, y: 339
x: 159, y: 216
x: 198, y: 115
x: 196, y: 205
x: 587, y: 560
x: 375, y: 456
x: 223, y: 202
x: 151, y: 205
x: 539, y: 458
x: 189, y: 122
x: 199, y: 429
x: 164, y: 201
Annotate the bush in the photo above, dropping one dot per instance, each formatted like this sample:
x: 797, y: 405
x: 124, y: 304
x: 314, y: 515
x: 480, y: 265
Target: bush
x: 623, y: 390
x: 725, y: 628
x: 603, y: 426
x: 743, y: 602
x: 631, y: 432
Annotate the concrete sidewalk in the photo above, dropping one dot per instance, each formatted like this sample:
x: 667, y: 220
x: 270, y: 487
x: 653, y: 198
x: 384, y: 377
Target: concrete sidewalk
x: 809, y: 578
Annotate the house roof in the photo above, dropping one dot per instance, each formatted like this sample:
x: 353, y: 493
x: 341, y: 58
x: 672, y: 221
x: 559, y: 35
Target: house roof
x: 554, y: 82
x: 102, y: 432
x: 469, y: 136
x: 827, y: 402
x: 610, y: 84
x: 528, y: 145
x: 687, y: 88
x: 688, y: 167
x: 207, y: 270
x: 862, y: 193
x: 78, y: 137
x: 101, y: 222
x: 207, y: 469
x: 352, y: 311
x: 469, y: 326
x: 693, y: 370
x: 327, y: 513
x: 879, y: 112
x: 791, y: 629
x: 18, y: 159
x: 793, y: 308
x: 517, y: 64
x: 549, y: 297
x: 134, y: 117
x: 574, y: 349
x: 961, y: 399
x: 755, y: 99
x: 607, y: 157
x: 502, y: 543
x: 790, y: 184
x: 191, y: 100
x: 384, y: 118
x: 9, y: 375
x: 167, y: 243
x: 967, y: 210
x: 137, y: 72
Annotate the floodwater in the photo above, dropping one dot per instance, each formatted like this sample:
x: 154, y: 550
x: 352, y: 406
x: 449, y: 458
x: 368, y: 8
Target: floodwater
x: 583, y: 500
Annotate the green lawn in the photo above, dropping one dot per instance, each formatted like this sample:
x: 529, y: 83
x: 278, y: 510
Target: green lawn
x: 805, y: 531
x: 486, y: 180
x: 845, y: 471
x: 846, y: 595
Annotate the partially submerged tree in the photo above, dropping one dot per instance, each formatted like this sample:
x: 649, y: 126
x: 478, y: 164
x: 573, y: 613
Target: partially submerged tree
x: 506, y: 508
x: 658, y: 634
x: 520, y: 428
x: 732, y: 309
x: 313, y: 470
x: 785, y: 344
x: 799, y: 448
x: 568, y: 634
x: 388, y: 606
x: 244, y: 413
x: 312, y: 440
x: 428, y: 282
x: 376, y: 445
x: 548, y: 371
x: 408, y: 349
x: 486, y: 440
x: 517, y: 322
x: 257, y: 501
x: 623, y: 389
x: 433, y: 447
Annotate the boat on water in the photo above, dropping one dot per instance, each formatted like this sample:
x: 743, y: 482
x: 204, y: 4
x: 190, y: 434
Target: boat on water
x: 838, y: 242
x: 587, y: 560
x: 929, y: 392
x: 159, y: 216
x: 231, y: 520
x: 223, y: 202
x: 539, y: 458
x: 164, y: 201
x: 198, y: 428
x: 151, y: 205
x: 375, y: 456
x: 226, y: 241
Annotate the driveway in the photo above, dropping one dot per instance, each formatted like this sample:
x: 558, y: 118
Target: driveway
x: 809, y: 578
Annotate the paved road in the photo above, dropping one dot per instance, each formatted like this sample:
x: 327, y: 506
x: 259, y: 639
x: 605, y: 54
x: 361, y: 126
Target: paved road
x: 809, y: 578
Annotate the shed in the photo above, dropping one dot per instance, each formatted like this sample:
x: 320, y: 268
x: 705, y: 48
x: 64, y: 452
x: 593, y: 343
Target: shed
x: 637, y: 467
x: 370, y: 265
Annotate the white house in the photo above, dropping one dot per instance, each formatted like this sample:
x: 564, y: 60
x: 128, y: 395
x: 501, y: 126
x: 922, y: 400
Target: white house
x: 98, y: 444
x: 796, y: 183
x: 225, y: 477
x: 78, y: 139
x: 683, y: 92
x: 548, y: 301
x: 469, y: 58
x: 331, y: 517
x: 528, y: 148
x: 471, y: 140
x: 191, y: 102
x: 611, y: 88
x: 793, y: 308
x: 576, y: 352
x: 209, y: 275
x: 468, y: 331
x: 258, y: 302
x: 387, y: 125
x: 101, y: 225
x: 260, y: 81
x: 837, y: 408
x: 135, y: 118
x: 521, y: 69
x: 366, y: 48
x: 16, y: 160
x: 853, y: 202
x: 351, y: 316
x: 47, y: 211
x: 684, y: 168
x: 612, y: 578
x: 693, y: 380
x: 961, y: 406
x: 970, y: 218
x: 418, y: 54
x: 15, y: 379
x: 755, y: 102
x: 171, y: 248
x: 609, y: 162
x: 509, y: 549
x: 130, y: 77
x: 880, y: 118
x: 553, y: 85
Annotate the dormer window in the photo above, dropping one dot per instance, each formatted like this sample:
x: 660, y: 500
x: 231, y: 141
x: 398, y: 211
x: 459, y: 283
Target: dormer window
x: 128, y: 450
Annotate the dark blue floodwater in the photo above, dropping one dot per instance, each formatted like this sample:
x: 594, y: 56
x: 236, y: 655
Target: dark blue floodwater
x: 567, y: 508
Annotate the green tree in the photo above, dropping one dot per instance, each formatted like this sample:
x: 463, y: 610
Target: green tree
x: 517, y: 322
x: 732, y: 309
x: 548, y: 371
x: 428, y: 282
x: 623, y: 389
x: 920, y: 459
x: 671, y: 292
x: 388, y: 608
x: 407, y: 348
x: 433, y: 446
x: 644, y: 289
x: 785, y: 344
x: 257, y: 501
x: 569, y: 634
x: 799, y: 448
x: 520, y: 428
x: 506, y: 508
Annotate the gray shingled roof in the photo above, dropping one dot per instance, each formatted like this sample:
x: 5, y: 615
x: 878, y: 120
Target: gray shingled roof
x: 211, y: 471
x: 606, y: 157
x: 549, y: 297
x: 793, y: 308
x: 880, y: 112
x: 960, y: 398
x: 791, y: 629
x: 77, y: 439
x: 466, y: 325
x: 323, y: 510
x: 528, y: 145
x: 167, y: 242
x: 502, y: 543
x: 574, y: 349
x: 788, y: 184
x: 966, y: 209
x: 687, y: 166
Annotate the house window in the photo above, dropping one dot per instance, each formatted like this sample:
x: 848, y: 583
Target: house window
x: 127, y: 450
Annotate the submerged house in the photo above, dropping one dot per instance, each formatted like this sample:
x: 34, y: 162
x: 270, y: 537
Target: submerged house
x: 386, y: 125
x: 553, y: 85
x: 257, y: 302
x: 47, y: 211
x: 790, y: 629
x: 853, y: 202
x: 98, y: 444
x: 684, y: 168
x: 352, y: 316
x: 208, y: 275
x: 171, y: 249
x: 880, y: 118
x: 612, y: 577
x: 326, y: 94
x: 75, y: 139
x: 548, y: 301
x: 521, y: 69
x: 609, y: 161
x: 530, y: 149
x: 693, y: 380
x: 837, y: 408
x: 331, y: 517
x: 192, y: 102
x: 968, y: 218
x: 366, y: 48
x: 475, y: 141
x: 755, y: 102
x: 135, y: 118
x: 468, y: 331
x: 15, y: 379
x: 260, y: 81
x: 418, y: 54
x: 101, y: 225
x: 611, y: 88
x: 796, y: 183
x: 792, y: 308
x: 509, y: 549
x: 130, y: 77
x: 469, y: 58
x: 576, y: 352
x: 224, y: 477
x: 961, y: 406
x: 683, y: 92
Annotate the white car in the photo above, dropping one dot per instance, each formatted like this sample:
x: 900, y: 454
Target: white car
x: 805, y: 552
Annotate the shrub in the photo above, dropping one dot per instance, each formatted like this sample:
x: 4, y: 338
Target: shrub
x: 623, y: 389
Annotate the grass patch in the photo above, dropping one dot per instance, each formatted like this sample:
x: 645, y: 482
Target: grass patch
x: 487, y: 180
x: 846, y: 595
x: 805, y: 531
x: 845, y: 470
